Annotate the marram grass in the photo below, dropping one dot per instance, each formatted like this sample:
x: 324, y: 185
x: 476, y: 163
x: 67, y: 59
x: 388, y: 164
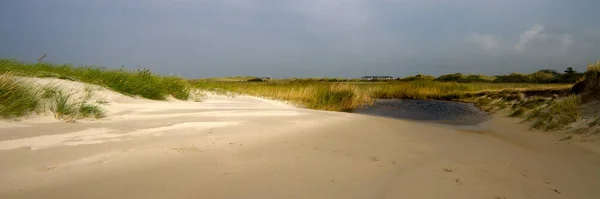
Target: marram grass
x: 139, y: 82
x: 19, y: 98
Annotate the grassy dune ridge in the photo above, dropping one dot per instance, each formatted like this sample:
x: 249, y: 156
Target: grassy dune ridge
x: 552, y: 113
x: 139, y: 82
x: 19, y: 98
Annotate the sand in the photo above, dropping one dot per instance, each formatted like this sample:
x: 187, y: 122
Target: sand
x: 246, y: 147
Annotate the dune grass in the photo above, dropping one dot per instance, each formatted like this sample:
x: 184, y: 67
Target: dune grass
x: 16, y: 97
x: 346, y: 96
x: 557, y: 115
x: 140, y: 82
x: 65, y: 106
x: 593, y: 68
x: 19, y: 98
x: 544, y: 113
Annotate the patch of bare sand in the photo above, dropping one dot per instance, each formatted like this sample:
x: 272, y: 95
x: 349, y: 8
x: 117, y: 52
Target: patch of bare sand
x: 149, y: 149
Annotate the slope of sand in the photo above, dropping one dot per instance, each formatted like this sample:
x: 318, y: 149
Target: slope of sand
x: 247, y: 147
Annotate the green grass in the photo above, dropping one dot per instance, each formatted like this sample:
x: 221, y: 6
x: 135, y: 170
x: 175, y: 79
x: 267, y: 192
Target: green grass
x: 19, y: 98
x: 65, y: 106
x: 544, y: 113
x: 562, y: 113
x: 139, y: 82
x: 554, y: 114
x: 90, y: 110
x: 332, y: 100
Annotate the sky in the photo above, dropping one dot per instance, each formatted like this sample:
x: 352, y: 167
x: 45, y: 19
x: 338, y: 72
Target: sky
x: 305, y: 38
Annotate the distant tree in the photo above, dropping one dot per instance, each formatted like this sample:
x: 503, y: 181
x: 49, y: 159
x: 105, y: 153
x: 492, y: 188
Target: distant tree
x: 570, y: 71
x: 570, y: 76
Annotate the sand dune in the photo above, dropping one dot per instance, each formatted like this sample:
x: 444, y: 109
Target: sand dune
x: 246, y: 147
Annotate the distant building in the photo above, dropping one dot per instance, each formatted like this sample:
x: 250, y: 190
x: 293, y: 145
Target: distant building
x: 376, y: 77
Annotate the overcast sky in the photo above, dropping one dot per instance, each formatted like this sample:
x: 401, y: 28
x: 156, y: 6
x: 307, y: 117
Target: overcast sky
x: 305, y: 38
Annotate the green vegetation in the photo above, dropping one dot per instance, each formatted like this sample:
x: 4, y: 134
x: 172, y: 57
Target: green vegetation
x: 541, y: 77
x: 548, y: 111
x: 558, y: 114
x: 345, y: 96
x: 418, y: 77
x: 326, y: 99
x: 309, y: 92
x: 16, y: 98
x: 317, y: 93
x: 545, y: 76
x: 139, y: 82
x: 64, y: 106
x: 543, y: 112
x: 459, y: 77
x: 19, y: 98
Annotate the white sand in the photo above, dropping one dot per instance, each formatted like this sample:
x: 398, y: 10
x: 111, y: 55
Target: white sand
x: 247, y: 147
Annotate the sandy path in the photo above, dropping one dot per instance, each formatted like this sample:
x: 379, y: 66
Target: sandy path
x: 251, y: 148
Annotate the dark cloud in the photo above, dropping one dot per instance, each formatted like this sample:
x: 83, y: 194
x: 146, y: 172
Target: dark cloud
x: 341, y: 38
